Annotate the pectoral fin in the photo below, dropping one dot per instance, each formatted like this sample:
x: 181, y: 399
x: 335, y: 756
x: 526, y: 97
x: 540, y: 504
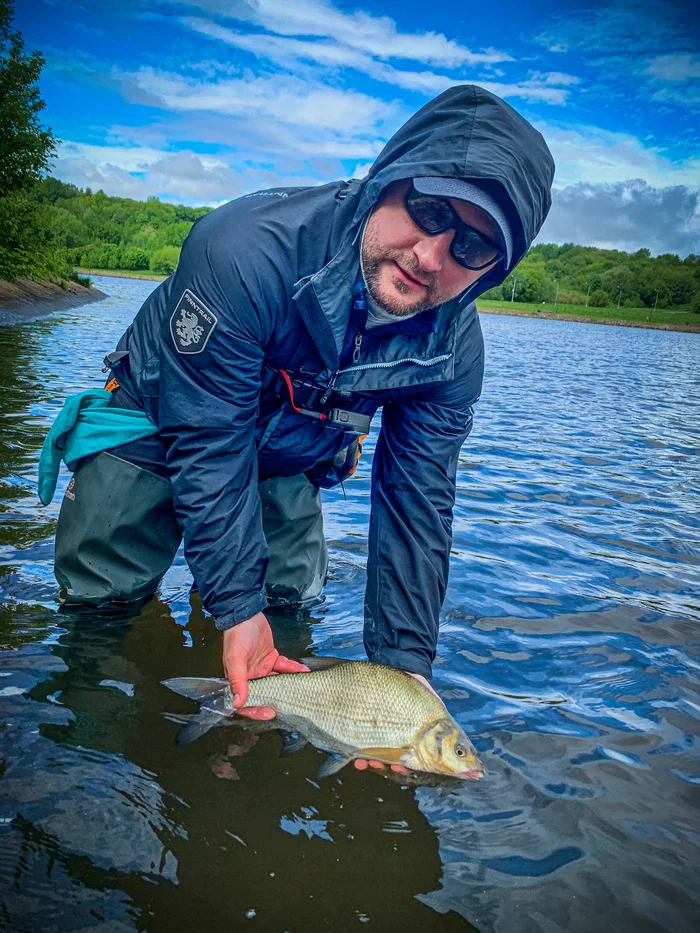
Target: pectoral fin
x: 392, y: 756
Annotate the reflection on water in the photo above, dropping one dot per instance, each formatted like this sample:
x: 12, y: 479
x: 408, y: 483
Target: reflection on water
x: 568, y: 653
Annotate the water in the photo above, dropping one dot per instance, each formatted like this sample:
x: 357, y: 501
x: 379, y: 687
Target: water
x: 569, y: 652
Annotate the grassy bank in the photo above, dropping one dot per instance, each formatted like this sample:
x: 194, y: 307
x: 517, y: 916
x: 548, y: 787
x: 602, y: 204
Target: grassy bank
x: 122, y: 274
x: 662, y: 318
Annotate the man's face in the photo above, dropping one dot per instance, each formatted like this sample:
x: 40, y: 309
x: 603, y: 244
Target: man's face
x: 407, y: 270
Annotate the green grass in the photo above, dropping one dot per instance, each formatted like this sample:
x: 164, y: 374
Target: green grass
x: 644, y: 315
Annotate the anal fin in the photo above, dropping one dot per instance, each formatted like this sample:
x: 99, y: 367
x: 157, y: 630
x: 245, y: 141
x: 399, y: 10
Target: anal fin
x: 332, y: 765
x: 292, y: 743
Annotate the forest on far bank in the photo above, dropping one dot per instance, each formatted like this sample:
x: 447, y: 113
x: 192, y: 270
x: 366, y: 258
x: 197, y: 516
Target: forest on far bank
x: 100, y: 232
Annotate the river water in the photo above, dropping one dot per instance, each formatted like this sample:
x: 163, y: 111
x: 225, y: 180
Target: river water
x: 569, y: 653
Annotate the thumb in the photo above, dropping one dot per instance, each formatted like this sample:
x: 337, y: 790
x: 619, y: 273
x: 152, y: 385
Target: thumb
x: 238, y: 678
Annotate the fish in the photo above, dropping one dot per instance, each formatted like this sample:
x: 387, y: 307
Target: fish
x: 352, y: 709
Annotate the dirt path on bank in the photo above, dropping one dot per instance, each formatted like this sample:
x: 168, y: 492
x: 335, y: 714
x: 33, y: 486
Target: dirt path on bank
x: 26, y: 300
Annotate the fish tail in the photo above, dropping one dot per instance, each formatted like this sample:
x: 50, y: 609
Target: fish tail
x: 211, y: 693
x: 196, y: 688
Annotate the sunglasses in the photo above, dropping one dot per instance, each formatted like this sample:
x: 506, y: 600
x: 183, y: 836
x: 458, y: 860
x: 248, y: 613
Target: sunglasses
x: 434, y: 215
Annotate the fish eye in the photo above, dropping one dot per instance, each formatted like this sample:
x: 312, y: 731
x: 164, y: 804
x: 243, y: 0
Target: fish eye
x: 460, y: 751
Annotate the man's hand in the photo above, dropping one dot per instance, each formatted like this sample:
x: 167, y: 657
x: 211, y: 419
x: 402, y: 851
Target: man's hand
x: 249, y: 651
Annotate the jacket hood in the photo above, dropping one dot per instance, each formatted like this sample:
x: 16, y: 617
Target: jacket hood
x: 469, y: 133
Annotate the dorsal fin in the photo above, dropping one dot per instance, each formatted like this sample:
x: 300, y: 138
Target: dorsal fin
x: 322, y: 664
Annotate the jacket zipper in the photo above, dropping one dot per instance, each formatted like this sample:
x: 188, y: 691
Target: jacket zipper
x: 389, y: 364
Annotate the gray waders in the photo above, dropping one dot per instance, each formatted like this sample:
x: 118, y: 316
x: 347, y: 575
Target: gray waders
x: 117, y: 535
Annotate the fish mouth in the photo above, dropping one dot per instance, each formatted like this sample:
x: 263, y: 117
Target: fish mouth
x: 473, y: 774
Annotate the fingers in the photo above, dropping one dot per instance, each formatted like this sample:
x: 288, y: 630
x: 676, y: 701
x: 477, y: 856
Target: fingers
x: 287, y: 666
x: 238, y: 677
x: 362, y: 764
x: 257, y: 712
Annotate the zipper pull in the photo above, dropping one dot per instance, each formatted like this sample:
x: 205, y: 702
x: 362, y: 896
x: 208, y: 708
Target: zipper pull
x: 356, y: 351
x: 329, y: 388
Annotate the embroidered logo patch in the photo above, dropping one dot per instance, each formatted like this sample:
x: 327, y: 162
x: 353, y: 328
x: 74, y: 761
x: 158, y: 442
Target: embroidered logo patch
x: 191, y: 324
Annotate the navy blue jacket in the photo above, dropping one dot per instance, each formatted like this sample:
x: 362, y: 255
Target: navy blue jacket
x: 267, y: 281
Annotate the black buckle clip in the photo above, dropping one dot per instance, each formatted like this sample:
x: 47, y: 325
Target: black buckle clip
x: 350, y: 420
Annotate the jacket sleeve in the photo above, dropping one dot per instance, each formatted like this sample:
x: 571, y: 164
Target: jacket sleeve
x: 207, y: 416
x: 410, y: 536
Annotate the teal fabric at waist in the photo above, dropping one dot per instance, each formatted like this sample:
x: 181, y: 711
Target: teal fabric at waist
x: 86, y: 426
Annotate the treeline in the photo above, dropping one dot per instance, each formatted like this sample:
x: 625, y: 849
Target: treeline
x: 102, y: 232
x: 601, y: 278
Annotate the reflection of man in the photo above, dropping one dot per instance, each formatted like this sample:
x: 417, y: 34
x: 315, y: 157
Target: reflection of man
x: 293, y: 316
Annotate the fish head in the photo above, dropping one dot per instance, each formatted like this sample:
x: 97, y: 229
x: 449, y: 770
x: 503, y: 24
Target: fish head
x: 443, y: 747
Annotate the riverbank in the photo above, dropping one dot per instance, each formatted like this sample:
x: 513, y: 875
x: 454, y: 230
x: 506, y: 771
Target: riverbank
x: 26, y: 300
x: 582, y: 319
x: 123, y: 274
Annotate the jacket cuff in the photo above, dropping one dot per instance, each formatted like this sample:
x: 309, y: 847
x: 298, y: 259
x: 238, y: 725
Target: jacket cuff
x: 247, y: 607
x: 415, y: 661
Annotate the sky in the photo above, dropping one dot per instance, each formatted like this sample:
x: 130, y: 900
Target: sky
x: 200, y: 101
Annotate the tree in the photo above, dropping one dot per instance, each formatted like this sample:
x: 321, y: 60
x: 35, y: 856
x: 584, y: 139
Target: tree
x: 25, y: 146
x: 599, y: 299
x: 164, y: 261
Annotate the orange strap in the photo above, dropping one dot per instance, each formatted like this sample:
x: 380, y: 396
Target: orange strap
x: 111, y: 385
x: 358, y: 453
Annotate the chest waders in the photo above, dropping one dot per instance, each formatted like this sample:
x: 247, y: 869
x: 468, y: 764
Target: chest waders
x: 117, y: 532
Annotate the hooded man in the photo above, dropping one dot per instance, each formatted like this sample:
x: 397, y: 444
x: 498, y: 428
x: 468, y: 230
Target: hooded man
x: 293, y: 316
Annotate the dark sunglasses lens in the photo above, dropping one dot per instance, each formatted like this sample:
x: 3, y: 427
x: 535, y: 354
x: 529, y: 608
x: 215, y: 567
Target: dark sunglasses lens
x: 471, y: 250
x: 432, y: 214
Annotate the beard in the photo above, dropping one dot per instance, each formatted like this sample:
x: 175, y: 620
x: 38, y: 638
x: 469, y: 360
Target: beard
x: 373, y: 260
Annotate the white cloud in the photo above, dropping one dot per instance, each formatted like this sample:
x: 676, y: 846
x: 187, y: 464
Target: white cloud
x: 126, y: 158
x: 587, y: 153
x: 185, y: 177
x: 675, y: 67
x: 282, y: 97
x: 626, y: 215
x: 289, y: 53
x: 376, y: 35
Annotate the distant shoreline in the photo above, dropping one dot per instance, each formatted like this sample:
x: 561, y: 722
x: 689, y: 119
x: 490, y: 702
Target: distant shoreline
x: 123, y: 274
x: 582, y: 319
x: 516, y: 312
x: 24, y: 300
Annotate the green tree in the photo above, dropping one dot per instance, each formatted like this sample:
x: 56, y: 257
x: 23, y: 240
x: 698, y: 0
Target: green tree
x: 134, y: 258
x: 164, y: 261
x: 25, y: 150
x: 599, y: 299
x: 25, y: 145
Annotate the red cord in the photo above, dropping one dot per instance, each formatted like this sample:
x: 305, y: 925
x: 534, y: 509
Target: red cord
x: 314, y: 414
x: 290, y: 388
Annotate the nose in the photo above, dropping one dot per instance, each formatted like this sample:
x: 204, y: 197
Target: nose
x: 433, y: 251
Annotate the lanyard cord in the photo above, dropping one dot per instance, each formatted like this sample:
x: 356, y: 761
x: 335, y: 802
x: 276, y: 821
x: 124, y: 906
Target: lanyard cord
x: 320, y: 415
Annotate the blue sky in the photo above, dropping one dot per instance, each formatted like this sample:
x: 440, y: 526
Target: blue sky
x: 198, y: 102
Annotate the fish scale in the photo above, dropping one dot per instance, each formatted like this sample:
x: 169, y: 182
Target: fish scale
x: 338, y: 701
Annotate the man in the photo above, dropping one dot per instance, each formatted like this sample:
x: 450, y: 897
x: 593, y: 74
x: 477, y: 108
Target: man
x: 293, y: 316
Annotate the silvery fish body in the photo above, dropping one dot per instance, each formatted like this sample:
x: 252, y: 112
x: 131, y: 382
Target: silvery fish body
x: 354, y: 709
